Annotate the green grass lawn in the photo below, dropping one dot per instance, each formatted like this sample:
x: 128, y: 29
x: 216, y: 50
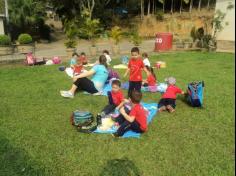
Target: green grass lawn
x: 36, y: 137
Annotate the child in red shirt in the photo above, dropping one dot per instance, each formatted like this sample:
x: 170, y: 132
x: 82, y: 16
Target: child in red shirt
x: 78, y: 67
x: 116, y: 100
x: 167, y: 101
x: 83, y: 58
x: 151, y: 77
x: 135, y: 119
x: 135, y: 67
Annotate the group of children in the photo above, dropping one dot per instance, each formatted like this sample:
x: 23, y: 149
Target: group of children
x: 132, y: 115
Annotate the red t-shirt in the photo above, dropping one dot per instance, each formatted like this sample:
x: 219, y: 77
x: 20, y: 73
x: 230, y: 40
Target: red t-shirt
x: 151, y: 80
x: 78, y: 69
x: 83, y: 60
x: 135, y: 66
x: 171, y: 92
x: 117, y: 97
x: 140, y: 116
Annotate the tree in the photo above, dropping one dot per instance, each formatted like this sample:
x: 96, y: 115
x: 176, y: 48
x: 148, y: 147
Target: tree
x: 163, y: 4
x: 142, y: 9
x: 191, y: 6
x: 199, y: 5
x: 172, y: 4
x: 181, y: 4
x: 208, y: 4
x: 88, y: 5
x: 149, y: 6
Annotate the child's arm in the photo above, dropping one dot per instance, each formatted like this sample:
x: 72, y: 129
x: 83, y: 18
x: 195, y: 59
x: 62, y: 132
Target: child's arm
x: 122, y: 104
x: 126, y: 116
x: 84, y: 74
x: 127, y: 71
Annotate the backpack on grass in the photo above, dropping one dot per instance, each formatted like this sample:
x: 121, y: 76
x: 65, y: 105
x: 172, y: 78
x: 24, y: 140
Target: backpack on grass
x: 195, y: 93
x: 30, y: 59
x: 83, y: 121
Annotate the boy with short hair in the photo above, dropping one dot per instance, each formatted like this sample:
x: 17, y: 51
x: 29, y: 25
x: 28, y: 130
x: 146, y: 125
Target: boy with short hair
x: 115, y: 98
x: 167, y: 101
x: 135, y: 67
x: 135, y: 119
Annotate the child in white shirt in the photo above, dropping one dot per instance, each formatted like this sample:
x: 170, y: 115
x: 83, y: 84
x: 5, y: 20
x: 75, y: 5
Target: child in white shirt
x: 146, y: 61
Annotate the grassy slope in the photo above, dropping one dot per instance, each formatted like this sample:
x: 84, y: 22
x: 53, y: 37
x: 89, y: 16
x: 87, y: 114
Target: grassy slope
x: 37, y: 139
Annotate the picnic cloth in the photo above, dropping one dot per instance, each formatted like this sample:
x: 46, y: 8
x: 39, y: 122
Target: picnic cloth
x: 120, y: 66
x: 161, y: 87
x: 152, y: 111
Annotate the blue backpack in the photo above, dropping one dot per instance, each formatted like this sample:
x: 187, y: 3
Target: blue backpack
x: 195, y: 93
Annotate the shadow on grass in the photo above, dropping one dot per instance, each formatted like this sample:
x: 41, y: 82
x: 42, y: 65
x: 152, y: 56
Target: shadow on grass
x: 15, y: 162
x: 117, y: 167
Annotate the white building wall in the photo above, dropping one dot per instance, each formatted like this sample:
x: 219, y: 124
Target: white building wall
x: 228, y: 33
x: 1, y: 26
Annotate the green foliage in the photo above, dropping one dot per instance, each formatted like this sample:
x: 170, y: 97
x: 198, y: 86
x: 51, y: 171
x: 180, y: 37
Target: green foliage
x: 5, y: 40
x: 25, y: 39
x: 135, y: 38
x: 116, y: 34
x: 71, y: 31
x: 70, y: 43
x: 160, y: 15
x: 28, y: 16
x: 89, y: 28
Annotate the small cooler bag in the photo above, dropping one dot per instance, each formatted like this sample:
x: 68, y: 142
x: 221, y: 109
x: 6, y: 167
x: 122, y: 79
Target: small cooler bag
x: 81, y: 118
x: 195, y: 93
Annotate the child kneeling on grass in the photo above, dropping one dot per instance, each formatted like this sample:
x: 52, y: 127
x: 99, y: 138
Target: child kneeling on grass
x: 168, y: 99
x: 135, y: 119
x: 115, y: 98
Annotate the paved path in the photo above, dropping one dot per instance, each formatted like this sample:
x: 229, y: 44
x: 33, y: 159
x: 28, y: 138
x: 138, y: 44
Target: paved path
x: 58, y: 49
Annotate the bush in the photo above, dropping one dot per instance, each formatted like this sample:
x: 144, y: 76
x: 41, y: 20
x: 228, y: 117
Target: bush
x: 160, y: 15
x: 136, y: 39
x: 116, y: 34
x: 25, y: 39
x: 70, y: 43
x: 5, y: 40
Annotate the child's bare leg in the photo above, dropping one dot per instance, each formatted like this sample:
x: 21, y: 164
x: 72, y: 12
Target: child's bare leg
x: 170, y: 108
x: 73, y: 89
x: 161, y: 109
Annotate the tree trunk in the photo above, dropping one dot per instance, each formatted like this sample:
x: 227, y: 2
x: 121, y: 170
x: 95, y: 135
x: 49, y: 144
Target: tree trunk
x: 163, y: 5
x: 172, y: 3
x: 149, y: 5
x: 142, y: 9
x: 190, y: 6
x: 208, y: 4
x: 153, y: 7
x: 181, y: 5
x: 199, y: 5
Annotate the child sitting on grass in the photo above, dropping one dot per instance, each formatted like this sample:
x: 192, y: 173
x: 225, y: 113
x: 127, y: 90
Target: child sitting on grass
x: 168, y: 99
x: 135, y: 67
x: 73, y: 60
x: 135, y: 119
x: 83, y: 58
x: 80, y: 62
x: 151, y: 78
x: 115, y: 98
x: 146, y: 60
x: 108, y: 57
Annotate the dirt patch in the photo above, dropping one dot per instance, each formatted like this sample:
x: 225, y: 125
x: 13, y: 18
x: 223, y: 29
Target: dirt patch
x: 178, y: 24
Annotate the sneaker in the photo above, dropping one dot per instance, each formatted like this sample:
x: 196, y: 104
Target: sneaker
x: 115, y: 135
x: 67, y: 94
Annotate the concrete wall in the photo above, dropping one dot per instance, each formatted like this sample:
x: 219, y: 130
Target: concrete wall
x: 1, y: 26
x: 228, y: 33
